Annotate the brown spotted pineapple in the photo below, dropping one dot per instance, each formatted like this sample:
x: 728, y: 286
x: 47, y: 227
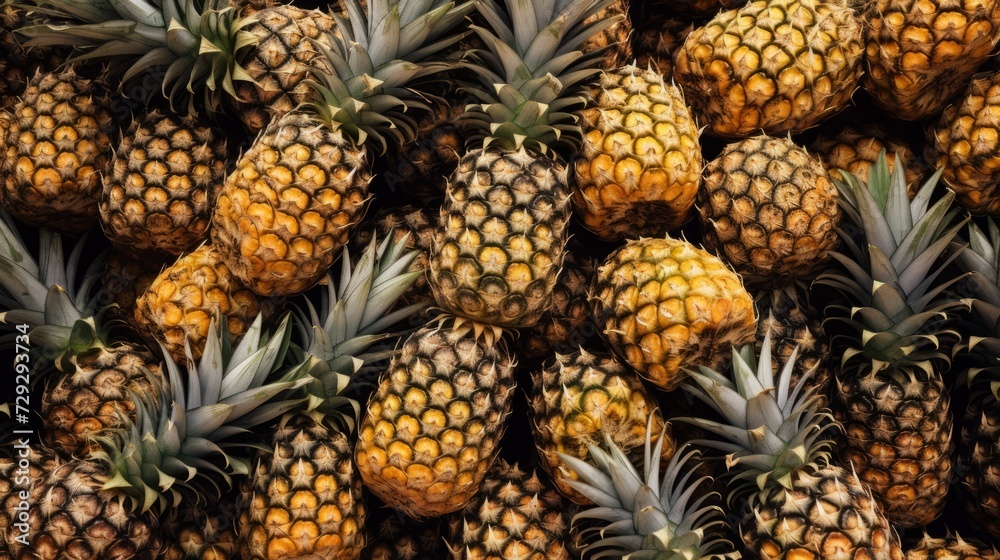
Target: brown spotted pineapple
x: 165, y: 176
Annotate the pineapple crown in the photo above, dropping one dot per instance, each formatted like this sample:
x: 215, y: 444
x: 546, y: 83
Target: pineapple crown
x: 897, y: 306
x: 183, y: 446
x: 532, y: 72
x: 353, y: 315
x: 372, y: 59
x: 772, y: 429
x: 642, y: 518
x: 43, y: 293
x: 196, y: 40
x: 981, y: 258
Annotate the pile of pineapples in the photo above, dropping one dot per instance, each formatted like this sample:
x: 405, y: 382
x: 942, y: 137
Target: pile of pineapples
x: 539, y: 279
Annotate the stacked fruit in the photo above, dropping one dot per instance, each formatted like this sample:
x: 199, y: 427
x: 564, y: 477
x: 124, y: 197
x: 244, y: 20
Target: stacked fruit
x: 300, y: 281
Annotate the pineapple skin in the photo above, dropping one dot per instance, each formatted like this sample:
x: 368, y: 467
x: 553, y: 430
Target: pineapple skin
x: 92, y: 396
x: 951, y: 548
x: 165, y: 176
x: 963, y: 143
x: 854, y: 148
x: 283, y: 57
x: 125, y: 278
x: 665, y: 305
x: 501, y: 238
x: 580, y: 397
x: 515, y: 515
x: 825, y: 513
x: 72, y: 516
x: 304, y: 498
x: 979, y: 457
x: 561, y: 329
x: 739, y: 73
x: 770, y: 210
x: 286, y: 211
x: 640, y: 164
x: 434, y: 423
x: 200, y: 533
x: 921, y: 55
x: 58, y: 143
x: 898, y: 438
x: 184, y: 298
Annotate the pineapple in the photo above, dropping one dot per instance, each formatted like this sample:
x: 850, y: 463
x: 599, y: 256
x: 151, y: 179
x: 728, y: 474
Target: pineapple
x: 773, y: 65
x: 515, y: 515
x: 434, y: 423
x: 303, y: 497
x: 163, y: 181
x: 197, y: 532
x: 657, y: 37
x: 395, y: 536
x: 183, y: 300
x: 504, y: 223
x: 664, y: 304
x: 640, y: 517
x: 777, y: 445
x: 56, y: 146
x: 89, y: 372
x: 640, y: 165
x: 421, y: 168
x: 855, y: 146
x: 921, y: 55
x: 299, y: 191
x: 770, y: 210
x: 951, y: 548
x: 964, y: 143
x: 578, y: 399
x: 788, y: 315
x: 978, y: 455
x: 125, y: 278
x: 255, y: 62
x: 108, y: 504
x: 565, y: 326
x: 414, y: 225
x: 890, y: 394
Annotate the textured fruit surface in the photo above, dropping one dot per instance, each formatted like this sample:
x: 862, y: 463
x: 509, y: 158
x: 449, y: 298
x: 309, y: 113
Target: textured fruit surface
x: 640, y: 165
x: 57, y: 145
x: 433, y: 426
x: 777, y: 66
x: 286, y: 211
x: 665, y: 305
x: 770, y: 210
x: 501, y: 237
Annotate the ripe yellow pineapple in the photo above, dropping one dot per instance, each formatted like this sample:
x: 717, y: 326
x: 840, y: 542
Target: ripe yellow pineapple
x: 183, y: 300
x: 515, y: 515
x: 773, y: 65
x: 665, y: 305
x: 164, y: 178
x: 922, y: 54
x: 58, y: 143
x: 770, y: 210
x: 640, y: 165
x: 580, y: 398
x: 434, y: 423
x: 966, y: 144
x: 299, y: 191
